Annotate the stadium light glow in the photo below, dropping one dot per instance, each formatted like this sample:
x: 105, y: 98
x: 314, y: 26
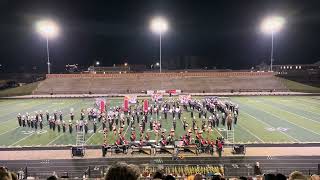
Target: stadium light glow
x: 97, y: 63
x: 48, y: 29
x: 159, y: 25
x: 272, y: 25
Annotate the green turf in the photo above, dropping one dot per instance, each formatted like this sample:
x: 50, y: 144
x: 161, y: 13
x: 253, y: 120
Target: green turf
x: 299, y: 87
x: 272, y: 119
x: 18, y: 91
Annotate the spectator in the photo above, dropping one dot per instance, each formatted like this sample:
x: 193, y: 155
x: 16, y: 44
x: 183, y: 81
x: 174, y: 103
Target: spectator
x: 5, y: 174
x: 122, y: 171
x: 257, y: 169
x: 53, y: 177
x: 158, y: 175
x: 296, y: 175
x: 269, y: 177
x: 281, y: 177
x: 169, y: 177
x: 315, y: 177
x: 198, y: 177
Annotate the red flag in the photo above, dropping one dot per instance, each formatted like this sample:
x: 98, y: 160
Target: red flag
x: 145, y: 105
x: 126, y: 104
x: 102, y: 106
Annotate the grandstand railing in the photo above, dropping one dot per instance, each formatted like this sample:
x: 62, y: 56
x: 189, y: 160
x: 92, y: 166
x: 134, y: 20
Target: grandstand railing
x: 186, y: 74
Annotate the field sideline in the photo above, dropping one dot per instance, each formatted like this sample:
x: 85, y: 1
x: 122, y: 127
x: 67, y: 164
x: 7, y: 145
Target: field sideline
x: 262, y: 119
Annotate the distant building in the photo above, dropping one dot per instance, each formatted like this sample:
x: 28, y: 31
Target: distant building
x: 296, y: 67
x: 300, y: 72
x: 121, y: 68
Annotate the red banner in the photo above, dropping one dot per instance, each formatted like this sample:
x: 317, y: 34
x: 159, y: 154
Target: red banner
x: 102, y: 106
x: 145, y: 105
x: 125, y: 104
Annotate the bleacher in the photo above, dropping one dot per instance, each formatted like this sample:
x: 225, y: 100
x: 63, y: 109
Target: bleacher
x: 195, y: 82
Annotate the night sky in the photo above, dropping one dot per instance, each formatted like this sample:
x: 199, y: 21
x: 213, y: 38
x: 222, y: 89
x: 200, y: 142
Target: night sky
x: 226, y: 33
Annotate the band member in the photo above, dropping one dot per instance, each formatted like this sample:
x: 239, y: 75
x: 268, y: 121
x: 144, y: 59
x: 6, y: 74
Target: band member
x: 171, y: 137
x: 235, y: 117
x: 184, y: 123
x: 94, y: 126
x: 179, y: 112
x: 31, y: 121
x: 105, y: 133
x: 35, y: 124
x: 82, y: 115
x: 58, y: 122
x: 86, y: 127
x: 121, y: 129
x: 60, y: 115
x: 114, y: 129
x: 193, y: 123
x: 100, y: 115
x: 23, y: 121
x: 40, y: 123
x: 80, y: 125
x: 174, y: 123
x: 19, y: 119
x: 41, y: 114
x: 187, y: 138
x: 141, y: 128
x: 63, y: 126
x: 163, y: 142
x: 147, y: 137
x: 70, y: 127
x: 71, y: 116
x: 128, y: 120
x: 47, y: 115
x: 133, y: 136
x: 53, y: 124
x: 163, y: 134
x: 55, y: 115
x: 77, y: 126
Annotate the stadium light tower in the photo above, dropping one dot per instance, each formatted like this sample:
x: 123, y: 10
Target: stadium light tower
x: 48, y: 29
x: 272, y: 25
x: 159, y: 25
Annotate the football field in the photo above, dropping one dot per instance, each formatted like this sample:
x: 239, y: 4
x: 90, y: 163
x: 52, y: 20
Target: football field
x: 262, y: 119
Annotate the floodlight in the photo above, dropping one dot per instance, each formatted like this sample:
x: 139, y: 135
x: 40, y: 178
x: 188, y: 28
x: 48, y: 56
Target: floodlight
x: 272, y: 24
x: 47, y: 28
x: 159, y: 25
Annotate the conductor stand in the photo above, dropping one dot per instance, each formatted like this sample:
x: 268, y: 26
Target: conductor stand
x: 78, y: 149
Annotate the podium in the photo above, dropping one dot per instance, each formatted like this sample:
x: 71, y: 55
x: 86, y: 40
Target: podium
x: 240, y: 149
x: 77, y: 151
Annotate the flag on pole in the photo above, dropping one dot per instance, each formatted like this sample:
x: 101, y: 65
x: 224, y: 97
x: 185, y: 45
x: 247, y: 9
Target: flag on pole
x: 126, y: 104
x: 145, y: 105
x: 101, y: 102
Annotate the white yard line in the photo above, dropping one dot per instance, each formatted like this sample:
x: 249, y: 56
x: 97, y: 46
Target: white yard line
x: 45, y: 127
x: 300, y: 115
x: 93, y: 134
x: 9, y: 130
x: 270, y: 126
x: 310, y: 102
x: 218, y: 132
x: 54, y: 139
x: 251, y: 133
x: 290, y: 122
x: 21, y: 139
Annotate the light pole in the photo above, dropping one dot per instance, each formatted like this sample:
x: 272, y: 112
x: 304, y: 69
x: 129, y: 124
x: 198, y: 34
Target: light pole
x: 272, y: 25
x: 160, y: 26
x: 47, y: 29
